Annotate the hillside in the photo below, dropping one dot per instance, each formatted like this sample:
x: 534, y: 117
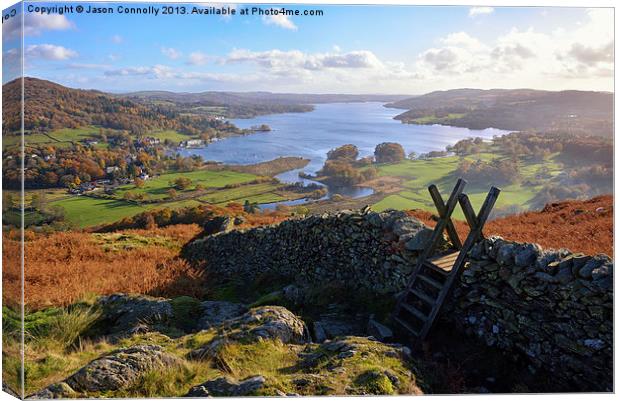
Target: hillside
x: 581, y: 226
x: 50, y: 106
x: 518, y: 109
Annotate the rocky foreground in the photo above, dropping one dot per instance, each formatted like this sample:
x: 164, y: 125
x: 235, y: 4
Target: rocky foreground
x: 266, y: 350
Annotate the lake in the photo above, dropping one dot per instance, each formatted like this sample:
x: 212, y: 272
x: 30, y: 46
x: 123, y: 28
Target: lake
x: 311, y: 135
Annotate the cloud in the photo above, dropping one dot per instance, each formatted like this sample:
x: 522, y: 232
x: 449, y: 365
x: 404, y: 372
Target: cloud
x: 281, y: 20
x: 154, y: 72
x: 525, y: 57
x: 197, y: 58
x: 171, y: 53
x: 35, y: 24
x: 476, y: 11
x: 48, y: 52
x: 592, y: 55
x: 117, y: 39
x: 279, y: 60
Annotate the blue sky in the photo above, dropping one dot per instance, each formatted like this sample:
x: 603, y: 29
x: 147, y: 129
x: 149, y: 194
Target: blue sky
x: 350, y: 49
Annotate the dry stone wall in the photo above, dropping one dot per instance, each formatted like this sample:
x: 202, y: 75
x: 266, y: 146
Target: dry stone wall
x: 366, y: 251
x: 555, y: 308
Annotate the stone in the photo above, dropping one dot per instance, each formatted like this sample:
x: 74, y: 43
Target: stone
x: 293, y: 294
x: 379, y: 331
x: 125, y: 313
x: 53, y: 391
x: 319, y: 333
x: 420, y: 240
x: 505, y: 255
x: 214, y: 313
x: 218, y: 224
x: 114, y: 371
x: 526, y: 254
x: 226, y: 387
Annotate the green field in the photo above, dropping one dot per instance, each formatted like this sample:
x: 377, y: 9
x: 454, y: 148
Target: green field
x: 432, y: 119
x: 259, y: 193
x: 84, y: 211
x: 417, y: 175
x: 157, y: 187
x: 171, y: 135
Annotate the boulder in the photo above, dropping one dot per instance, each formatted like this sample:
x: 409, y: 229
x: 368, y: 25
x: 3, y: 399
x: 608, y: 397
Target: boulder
x: 223, y: 386
x: 419, y: 240
x: 379, y: 331
x: 264, y: 322
x: 123, y: 313
x: 111, y: 372
x: 214, y: 313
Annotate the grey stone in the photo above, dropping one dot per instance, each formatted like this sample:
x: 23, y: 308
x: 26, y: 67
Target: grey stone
x: 526, y: 254
x: 420, y: 240
x: 223, y: 386
x: 114, y: 371
x: 379, y: 331
x: 214, y: 313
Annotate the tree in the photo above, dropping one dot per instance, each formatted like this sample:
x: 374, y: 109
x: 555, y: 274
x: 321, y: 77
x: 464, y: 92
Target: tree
x: 172, y: 193
x: 182, y: 183
x: 347, y: 152
x: 389, y: 152
x: 412, y: 156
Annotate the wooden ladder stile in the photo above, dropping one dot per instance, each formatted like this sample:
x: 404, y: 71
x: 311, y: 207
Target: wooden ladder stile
x: 455, y: 260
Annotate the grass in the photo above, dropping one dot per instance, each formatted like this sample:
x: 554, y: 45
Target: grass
x: 171, y: 135
x: 432, y: 119
x: 253, y: 193
x: 157, y: 187
x: 84, y: 211
x: 417, y: 175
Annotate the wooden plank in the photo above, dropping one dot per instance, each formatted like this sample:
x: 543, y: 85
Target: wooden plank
x: 422, y: 296
x: 430, y: 281
x: 468, y: 211
x: 407, y: 326
x: 415, y: 312
x: 441, y: 209
x: 436, y: 269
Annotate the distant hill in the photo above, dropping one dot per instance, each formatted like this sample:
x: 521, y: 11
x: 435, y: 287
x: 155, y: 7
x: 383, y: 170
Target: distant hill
x: 249, y: 104
x: 247, y: 98
x: 512, y: 109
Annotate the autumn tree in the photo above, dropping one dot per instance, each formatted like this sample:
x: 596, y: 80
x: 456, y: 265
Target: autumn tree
x: 389, y: 152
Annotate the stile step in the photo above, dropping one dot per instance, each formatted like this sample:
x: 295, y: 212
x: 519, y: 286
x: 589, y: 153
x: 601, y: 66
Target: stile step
x: 415, y: 312
x: 430, y: 281
x: 435, y: 268
x: 407, y: 326
x: 422, y: 296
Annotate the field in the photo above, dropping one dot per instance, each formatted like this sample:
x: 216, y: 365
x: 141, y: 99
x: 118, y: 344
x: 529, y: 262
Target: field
x: 156, y: 187
x: 417, y: 175
x: 58, y: 138
x: 432, y: 119
x: 171, y: 135
x: 86, y: 211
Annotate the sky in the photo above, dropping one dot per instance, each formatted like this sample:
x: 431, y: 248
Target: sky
x: 349, y: 49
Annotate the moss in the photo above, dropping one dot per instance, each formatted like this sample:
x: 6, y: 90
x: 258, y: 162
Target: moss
x: 374, y: 382
x: 273, y: 298
x: 186, y: 310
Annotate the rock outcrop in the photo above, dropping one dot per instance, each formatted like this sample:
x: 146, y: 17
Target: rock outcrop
x: 111, y: 372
